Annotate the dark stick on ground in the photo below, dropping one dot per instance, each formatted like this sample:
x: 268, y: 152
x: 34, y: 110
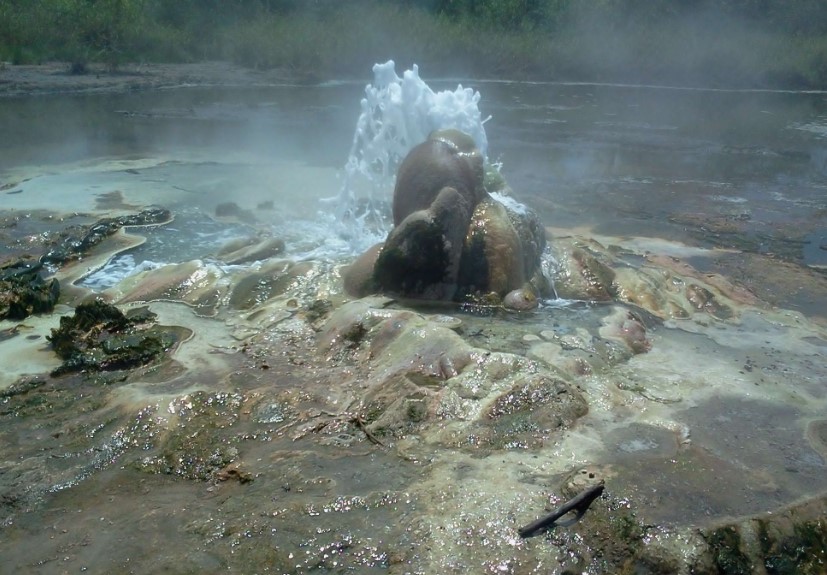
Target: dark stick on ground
x: 579, y: 503
x: 360, y: 423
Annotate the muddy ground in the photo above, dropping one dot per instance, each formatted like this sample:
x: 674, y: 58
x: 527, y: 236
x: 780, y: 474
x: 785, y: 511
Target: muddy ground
x: 56, y: 77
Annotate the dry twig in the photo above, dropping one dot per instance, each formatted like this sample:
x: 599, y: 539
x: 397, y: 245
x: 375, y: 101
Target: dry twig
x: 580, y: 503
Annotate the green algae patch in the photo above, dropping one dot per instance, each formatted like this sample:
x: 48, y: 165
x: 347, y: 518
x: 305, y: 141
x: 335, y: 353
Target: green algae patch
x: 99, y: 337
x: 608, y: 539
x: 801, y: 549
x: 24, y: 292
x: 792, y: 541
x: 725, y: 548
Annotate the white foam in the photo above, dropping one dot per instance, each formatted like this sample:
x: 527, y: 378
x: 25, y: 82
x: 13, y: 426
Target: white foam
x: 117, y: 269
x: 510, y: 203
x: 396, y: 115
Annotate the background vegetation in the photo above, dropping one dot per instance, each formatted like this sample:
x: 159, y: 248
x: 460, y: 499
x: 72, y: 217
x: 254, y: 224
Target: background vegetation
x: 745, y: 43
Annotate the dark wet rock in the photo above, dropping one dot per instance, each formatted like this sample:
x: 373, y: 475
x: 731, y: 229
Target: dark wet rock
x: 199, y: 446
x: 502, y: 251
x: 358, y: 276
x: 233, y: 210
x: 584, y: 275
x: 421, y: 256
x: 24, y: 292
x: 236, y: 244
x: 453, y: 240
x: 254, y: 249
x: 318, y: 309
x: 521, y: 300
x: 271, y: 281
x: 74, y: 241
x: 791, y: 541
x: 233, y: 472
x: 447, y: 159
x: 704, y: 300
x: 725, y: 549
x: 99, y: 337
x: 21, y: 387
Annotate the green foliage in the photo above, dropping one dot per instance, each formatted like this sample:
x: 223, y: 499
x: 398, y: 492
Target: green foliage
x: 502, y: 14
x: 710, y: 42
x: 75, y: 30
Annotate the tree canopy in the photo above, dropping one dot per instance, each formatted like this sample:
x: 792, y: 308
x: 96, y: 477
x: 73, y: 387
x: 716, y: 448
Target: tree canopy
x: 740, y: 41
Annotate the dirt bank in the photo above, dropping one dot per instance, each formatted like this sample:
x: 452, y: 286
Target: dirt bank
x: 55, y: 77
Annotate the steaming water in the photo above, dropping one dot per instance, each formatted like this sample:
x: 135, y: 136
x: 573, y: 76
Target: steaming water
x: 397, y: 114
x: 670, y: 172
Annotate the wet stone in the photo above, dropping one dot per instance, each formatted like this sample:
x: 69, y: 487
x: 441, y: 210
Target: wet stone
x: 74, y: 241
x: 791, y: 541
x: 99, y: 337
x: 24, y: 292
x: 199, y: 446
x: 272, y: 412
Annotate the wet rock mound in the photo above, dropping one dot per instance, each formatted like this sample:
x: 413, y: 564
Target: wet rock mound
x: 452, y: 239
x: 24, y: 292
x: 99, y: 337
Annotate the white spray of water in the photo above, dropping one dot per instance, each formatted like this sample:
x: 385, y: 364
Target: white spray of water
x: 396, y: 115
x: 118, y: 268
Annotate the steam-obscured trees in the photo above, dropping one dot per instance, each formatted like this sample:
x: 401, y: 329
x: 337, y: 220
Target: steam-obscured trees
x: 797, y: 17
x: 721, y: 42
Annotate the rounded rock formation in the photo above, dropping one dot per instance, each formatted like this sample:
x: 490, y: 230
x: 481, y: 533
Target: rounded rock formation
x: 451, y: 239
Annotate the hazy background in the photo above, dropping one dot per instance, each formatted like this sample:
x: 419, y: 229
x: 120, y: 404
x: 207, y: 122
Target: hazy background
x: 709, y: 43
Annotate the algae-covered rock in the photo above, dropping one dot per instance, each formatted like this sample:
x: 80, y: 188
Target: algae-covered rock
x: 75, y: 241
x: 791, y: 541
x: 725, y: 549
x: 99, y: 337
x: 24, y: 292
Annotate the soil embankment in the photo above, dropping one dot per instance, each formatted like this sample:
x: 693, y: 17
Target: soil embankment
x: 56, y: 77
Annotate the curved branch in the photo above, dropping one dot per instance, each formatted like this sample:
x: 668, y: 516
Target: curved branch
x: 580, y: 503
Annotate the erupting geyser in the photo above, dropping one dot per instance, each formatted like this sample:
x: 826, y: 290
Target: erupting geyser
x: 396, y: 115
x: 451, y: 240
